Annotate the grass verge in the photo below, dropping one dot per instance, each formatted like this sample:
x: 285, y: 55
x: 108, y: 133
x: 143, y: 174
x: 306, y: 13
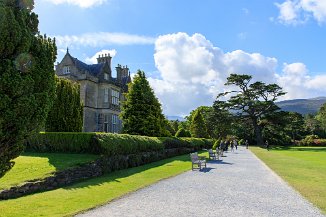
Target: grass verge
x: 31, y: 166
x: 302, y: 167
x: 94, y: 192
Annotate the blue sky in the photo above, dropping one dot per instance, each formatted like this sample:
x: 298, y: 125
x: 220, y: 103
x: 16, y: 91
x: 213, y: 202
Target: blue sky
x: 188, y: 47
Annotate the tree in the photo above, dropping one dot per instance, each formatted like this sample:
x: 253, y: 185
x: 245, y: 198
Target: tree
x: 66, y: 114
x: 205, y: 111
x: 141, y: 111
x: 219, y: 121
x: 198, y: 126
x: 26, y: 78
x: 321, y: 116
x: 182, y: 133
x: 253, y: 100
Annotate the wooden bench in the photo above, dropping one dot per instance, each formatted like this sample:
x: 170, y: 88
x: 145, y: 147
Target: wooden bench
x: 211, y: 154
x: 196, y: 160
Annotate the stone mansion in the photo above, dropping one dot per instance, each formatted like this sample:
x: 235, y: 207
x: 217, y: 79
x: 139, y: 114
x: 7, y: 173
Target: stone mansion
x: 100, y: 93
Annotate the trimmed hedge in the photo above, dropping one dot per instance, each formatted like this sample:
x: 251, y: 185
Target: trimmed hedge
x: 62, y: 142
x: 110, y: 144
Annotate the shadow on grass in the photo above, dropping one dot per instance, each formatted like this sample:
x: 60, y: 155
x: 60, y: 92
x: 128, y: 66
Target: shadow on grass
x: 296, y: 148
x: 120, y: 174
x: 63, y: 161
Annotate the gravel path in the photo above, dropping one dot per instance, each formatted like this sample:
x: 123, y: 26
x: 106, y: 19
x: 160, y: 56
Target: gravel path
x: 239, y: 185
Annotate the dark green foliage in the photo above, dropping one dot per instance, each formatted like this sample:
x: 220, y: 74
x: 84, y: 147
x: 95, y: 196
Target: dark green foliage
x: 123, y: 144
x: 141, y: 111
x: 66, y: 114
x: 182, y: 133
x: 198, y: 126
x: 26, y: 78
x: 216, y: 144
x: 110, y: 144
x: 63, y: 142
x: 252, y: 101
x: 321, y: 116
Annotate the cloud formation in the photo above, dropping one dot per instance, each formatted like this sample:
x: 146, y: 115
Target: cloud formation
x: 79, y: 3
x: 93, y: 59
x: 193, y: 71
x: 295, y: 12
x: 98, y: 39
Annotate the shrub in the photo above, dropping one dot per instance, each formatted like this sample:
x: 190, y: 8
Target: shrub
x: 110, y: 144
x: 62, y: 142
x: 122, y: 144
x: 182, y: 133
x: 312, y: 140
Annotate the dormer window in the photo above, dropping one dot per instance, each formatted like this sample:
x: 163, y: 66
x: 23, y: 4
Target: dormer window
x: 106, y: 76
x: 66, y: 70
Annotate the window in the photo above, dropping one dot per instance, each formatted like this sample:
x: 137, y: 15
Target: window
x: 106, y: 123
x: 115, y: 121
x: 106, y: 76
x: 66, y: 70
x: 115, y: 97
x: 106, y: 94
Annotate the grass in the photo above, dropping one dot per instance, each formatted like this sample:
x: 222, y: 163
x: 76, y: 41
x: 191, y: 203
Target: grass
x: 31, y: 166
x: 94, y: 192
x: 302, y: 167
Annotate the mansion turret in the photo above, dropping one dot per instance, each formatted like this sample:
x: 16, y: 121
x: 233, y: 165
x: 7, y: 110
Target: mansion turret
x: 100, y: 93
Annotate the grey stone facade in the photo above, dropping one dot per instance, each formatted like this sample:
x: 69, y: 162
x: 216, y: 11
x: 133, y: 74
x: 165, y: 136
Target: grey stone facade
x: 100, y: 93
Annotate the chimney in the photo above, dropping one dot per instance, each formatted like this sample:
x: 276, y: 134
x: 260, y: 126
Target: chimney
x: 104, y: 58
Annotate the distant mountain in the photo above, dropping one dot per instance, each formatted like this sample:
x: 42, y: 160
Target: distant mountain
x: 302, y: 106
x: 174, y: 118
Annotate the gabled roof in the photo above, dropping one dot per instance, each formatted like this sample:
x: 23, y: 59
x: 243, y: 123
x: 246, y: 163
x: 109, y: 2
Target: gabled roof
x: 93, y: 69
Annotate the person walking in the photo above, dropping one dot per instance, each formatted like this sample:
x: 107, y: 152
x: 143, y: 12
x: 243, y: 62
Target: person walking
x: 232, y: 146
x: 235, y: 144
x: 247, y: 144
x: 267, y: 145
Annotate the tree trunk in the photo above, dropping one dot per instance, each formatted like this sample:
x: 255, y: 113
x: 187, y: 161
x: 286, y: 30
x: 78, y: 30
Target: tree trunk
x: 258, y: 133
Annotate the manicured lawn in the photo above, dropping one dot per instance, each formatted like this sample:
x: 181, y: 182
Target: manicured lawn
x: 302, y: 167
x: 31, y: 166
x: 85, y: 195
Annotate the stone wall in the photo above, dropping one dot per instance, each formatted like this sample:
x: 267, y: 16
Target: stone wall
x: 89, y: 170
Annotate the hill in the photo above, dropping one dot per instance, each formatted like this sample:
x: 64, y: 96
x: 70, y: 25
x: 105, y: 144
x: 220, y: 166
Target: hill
x: 302, y: 106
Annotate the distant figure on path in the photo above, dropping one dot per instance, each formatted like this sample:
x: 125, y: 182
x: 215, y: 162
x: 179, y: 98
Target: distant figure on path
x: 232, y: 146
x: 247, y: 144
x: 235, y: 144
x: 267, y: 145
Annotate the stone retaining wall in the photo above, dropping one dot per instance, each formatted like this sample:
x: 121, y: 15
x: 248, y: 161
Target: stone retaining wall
x: 89, y: 170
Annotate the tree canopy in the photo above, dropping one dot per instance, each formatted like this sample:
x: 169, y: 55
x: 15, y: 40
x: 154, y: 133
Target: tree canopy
x: 251, y: 100
x: 141, y: 111
x: 26, y: 78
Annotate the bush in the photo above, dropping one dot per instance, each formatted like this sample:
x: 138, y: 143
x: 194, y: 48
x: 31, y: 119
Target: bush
x: 312, y: 140
x: 110, y: 144
x: 62, y: 142
x: 182, y: 133
x: 123, y: 144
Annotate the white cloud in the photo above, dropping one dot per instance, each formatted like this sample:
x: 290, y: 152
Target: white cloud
x: 193, y: 71
x: 299, y: 11
x: 79, y: 3
x: 102, y: 39
x: 93, y: 59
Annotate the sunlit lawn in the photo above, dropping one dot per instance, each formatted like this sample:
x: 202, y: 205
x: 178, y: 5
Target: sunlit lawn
x: 31, y: 166
x: 302, y: 167
x: 94, y: 192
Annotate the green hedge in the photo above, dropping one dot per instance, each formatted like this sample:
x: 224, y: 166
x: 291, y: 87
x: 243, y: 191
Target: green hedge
x: 62, y: 142
x: 110, y: 144
x: 312, y: 140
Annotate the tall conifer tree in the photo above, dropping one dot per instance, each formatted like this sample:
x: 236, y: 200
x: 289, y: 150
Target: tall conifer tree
x: 141, y: 112
x: 26, y: 78
x: 66, y: 114
x: 198, y: 127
